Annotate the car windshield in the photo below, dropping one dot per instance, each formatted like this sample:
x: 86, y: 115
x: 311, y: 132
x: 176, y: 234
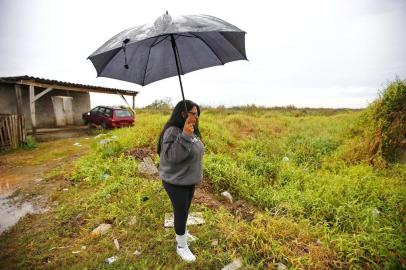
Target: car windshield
x: 122, y: 113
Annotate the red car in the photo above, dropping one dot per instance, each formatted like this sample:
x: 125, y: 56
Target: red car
x: 109, y: 117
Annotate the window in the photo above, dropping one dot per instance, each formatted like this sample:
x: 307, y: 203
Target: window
x: 94, y: 110
x: 108, y: 112
x: 123, y: 113
x: 101, y: 110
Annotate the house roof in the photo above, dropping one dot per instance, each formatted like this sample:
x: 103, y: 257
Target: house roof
x: 45, y: 83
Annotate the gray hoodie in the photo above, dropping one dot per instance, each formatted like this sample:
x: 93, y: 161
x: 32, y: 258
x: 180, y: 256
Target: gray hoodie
x: 181, y: 157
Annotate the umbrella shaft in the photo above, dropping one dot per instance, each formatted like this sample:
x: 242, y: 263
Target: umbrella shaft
x: 177, y: 60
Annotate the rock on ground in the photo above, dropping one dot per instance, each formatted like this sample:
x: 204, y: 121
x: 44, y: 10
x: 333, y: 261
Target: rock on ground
x: 101, y: 229
x: 147, y: 166
x: 236, y: 264
x: 194, y: 218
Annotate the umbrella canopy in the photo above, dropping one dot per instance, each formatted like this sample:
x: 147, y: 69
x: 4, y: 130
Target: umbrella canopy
x: 170, y: 46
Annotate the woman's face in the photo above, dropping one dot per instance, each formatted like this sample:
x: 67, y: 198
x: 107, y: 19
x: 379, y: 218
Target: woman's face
x: 193, y: 115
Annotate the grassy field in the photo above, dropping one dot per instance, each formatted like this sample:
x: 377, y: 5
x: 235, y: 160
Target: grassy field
x: 309, y: 193
x: 316, y: 208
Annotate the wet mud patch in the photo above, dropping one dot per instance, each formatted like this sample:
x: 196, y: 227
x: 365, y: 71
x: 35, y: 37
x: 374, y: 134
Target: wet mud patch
x: 141, y: 153
x: 14, y: 177
x: 206, y: 195
x: 26, y: 181
x: 17, y: 205
x: 243, y: 210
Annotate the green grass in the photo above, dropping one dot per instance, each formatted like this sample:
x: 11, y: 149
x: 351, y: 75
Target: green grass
x: 325, y: 207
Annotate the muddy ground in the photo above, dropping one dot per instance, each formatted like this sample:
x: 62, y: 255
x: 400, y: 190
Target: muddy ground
x: 24, y: 188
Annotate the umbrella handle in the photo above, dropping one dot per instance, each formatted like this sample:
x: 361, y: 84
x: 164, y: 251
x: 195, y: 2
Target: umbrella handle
x: 177, y: 67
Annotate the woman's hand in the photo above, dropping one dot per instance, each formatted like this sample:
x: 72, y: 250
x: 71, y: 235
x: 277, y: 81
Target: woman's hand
x: 189, y: 123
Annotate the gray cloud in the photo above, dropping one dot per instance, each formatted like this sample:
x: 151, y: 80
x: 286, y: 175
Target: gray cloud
x: 306, y: 53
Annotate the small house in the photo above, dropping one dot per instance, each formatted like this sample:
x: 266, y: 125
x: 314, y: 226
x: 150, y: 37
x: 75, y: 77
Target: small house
x: 48, y: 103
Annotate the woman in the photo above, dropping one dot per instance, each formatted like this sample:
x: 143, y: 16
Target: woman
x: 181, y: 151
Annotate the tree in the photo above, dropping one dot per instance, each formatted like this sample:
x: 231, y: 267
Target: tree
x: 160, y: 104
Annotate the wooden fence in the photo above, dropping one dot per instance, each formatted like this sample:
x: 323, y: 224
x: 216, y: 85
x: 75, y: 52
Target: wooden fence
x: 12, y: 131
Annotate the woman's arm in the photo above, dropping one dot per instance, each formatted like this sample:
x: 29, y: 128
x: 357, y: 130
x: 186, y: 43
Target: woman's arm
x: 176, y: 145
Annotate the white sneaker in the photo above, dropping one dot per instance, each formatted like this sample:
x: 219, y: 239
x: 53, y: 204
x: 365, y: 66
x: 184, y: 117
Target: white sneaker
x: 185, y: 254
x: 183, y: 250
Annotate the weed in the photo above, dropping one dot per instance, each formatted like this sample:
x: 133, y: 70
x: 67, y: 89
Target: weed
x: 30, y: 143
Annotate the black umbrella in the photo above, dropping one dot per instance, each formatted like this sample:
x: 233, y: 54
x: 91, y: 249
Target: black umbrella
x: 170, y: 46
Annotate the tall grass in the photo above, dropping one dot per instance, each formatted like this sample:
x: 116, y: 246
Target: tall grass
x: 321, y: 203
x: 304, y: 174
x: 291, y: 167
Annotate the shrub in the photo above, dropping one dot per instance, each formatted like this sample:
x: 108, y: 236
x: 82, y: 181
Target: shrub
x: 386, y: 117
x: 30, y: 143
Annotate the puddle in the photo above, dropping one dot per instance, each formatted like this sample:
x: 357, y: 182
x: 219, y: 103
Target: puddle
x: 12, y: 209
x: 19, y: 176
x: 10, y: 214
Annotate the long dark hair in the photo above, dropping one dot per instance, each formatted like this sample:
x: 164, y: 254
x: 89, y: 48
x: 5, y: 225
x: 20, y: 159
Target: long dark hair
x: 177, y: 120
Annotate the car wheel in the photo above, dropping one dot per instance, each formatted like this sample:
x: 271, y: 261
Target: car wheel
x: 103, y: 125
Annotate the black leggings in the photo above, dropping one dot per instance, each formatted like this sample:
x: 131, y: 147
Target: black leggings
x: 181, y: 198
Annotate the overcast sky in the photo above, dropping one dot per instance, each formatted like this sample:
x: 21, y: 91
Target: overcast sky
x: 326, y: 53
